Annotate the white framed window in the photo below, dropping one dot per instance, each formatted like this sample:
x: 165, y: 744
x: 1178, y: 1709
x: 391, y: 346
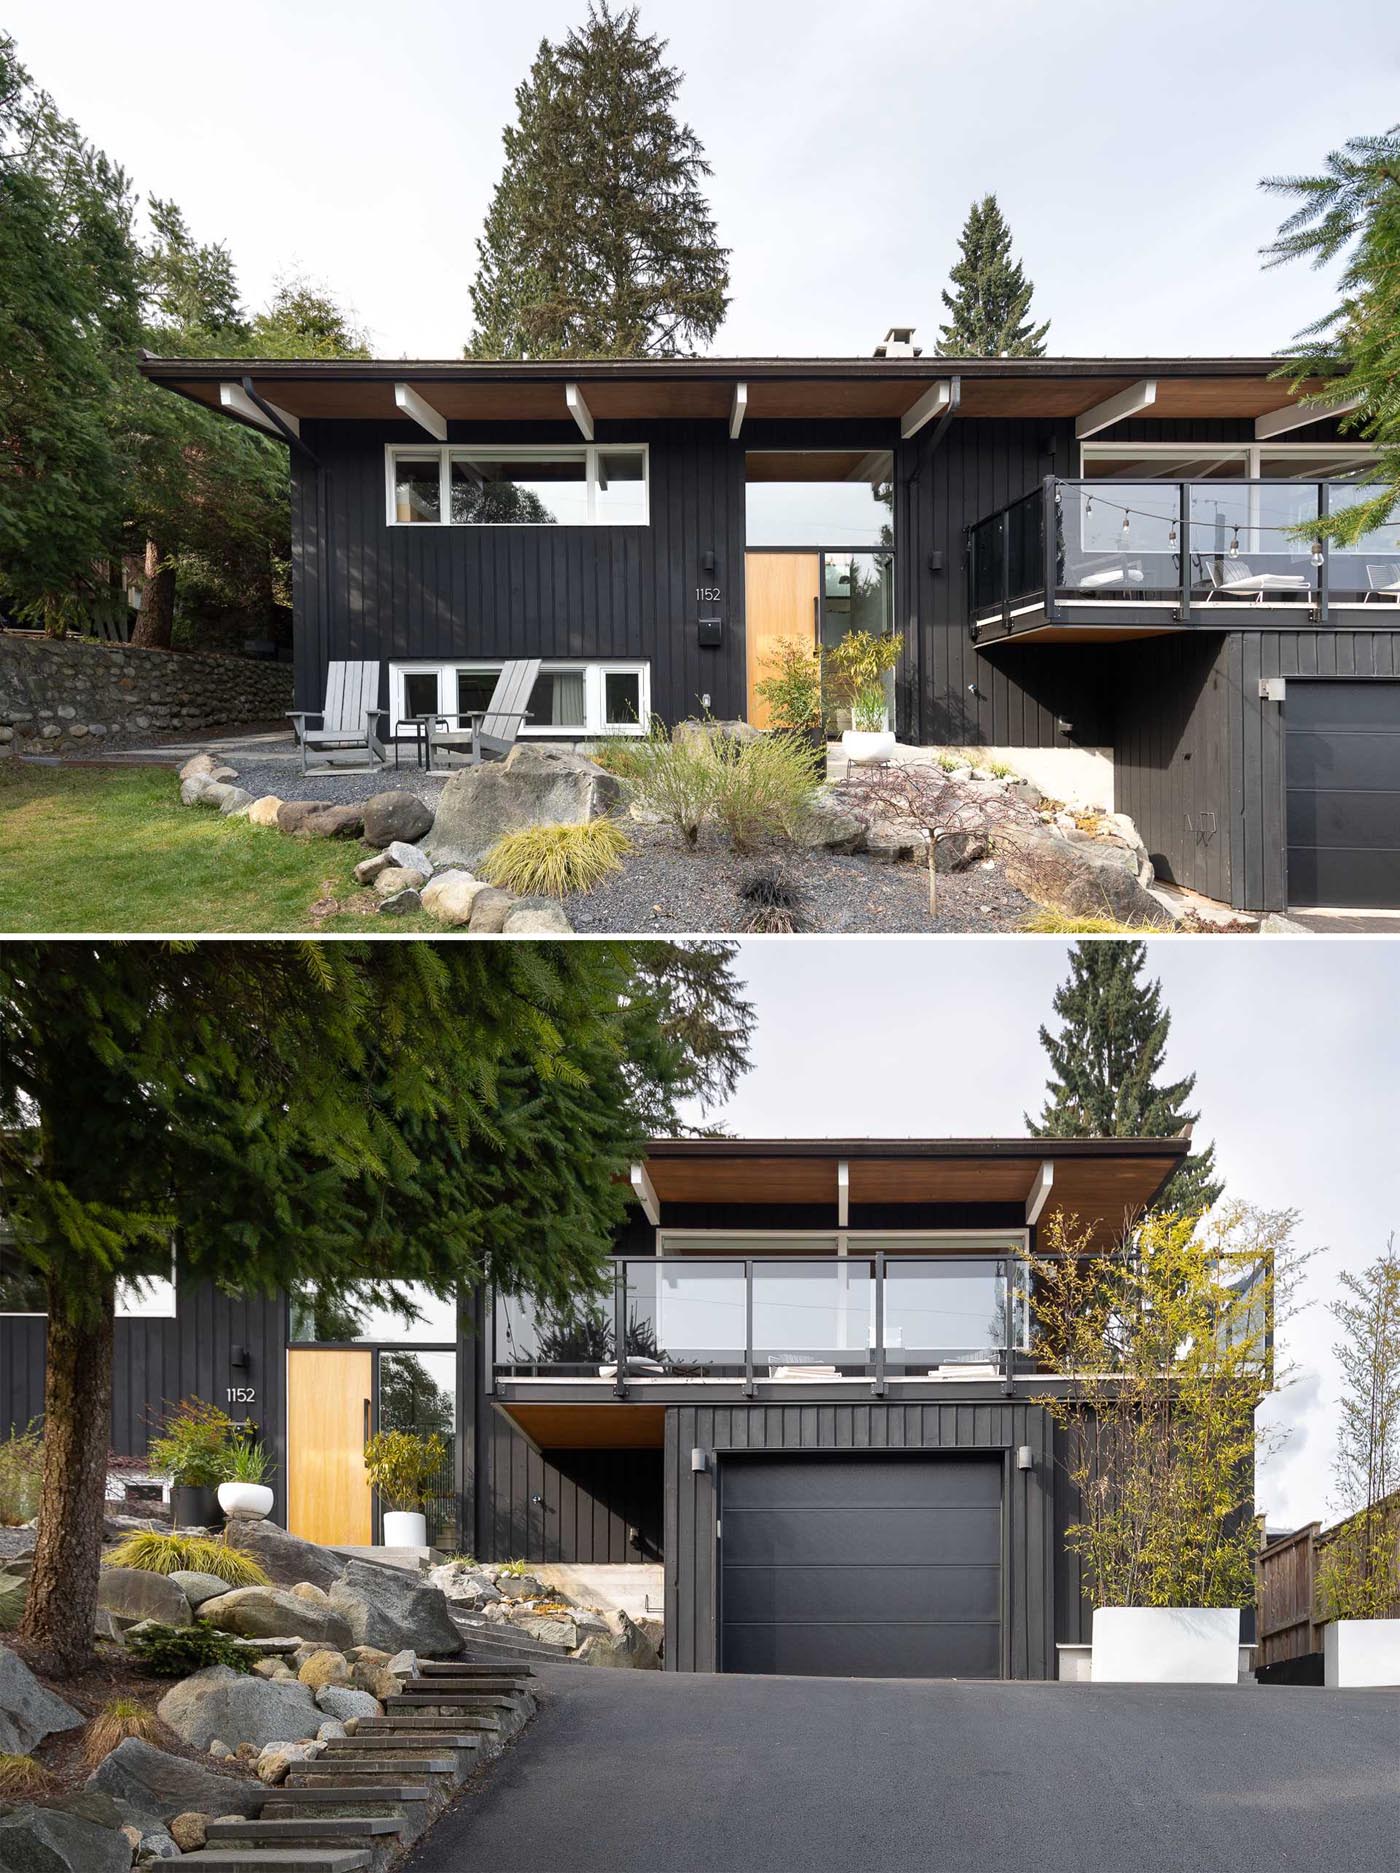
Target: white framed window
x: 1224, y: 461
x: 592, y: 485
x: 23, y: 1292
x: 570, y: 697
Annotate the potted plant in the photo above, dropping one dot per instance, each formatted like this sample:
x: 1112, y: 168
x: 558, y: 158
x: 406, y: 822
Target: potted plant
x: 1358, y: 1572
x: 192, y: 1449
x: 855, y: 672
x: 244, y: 1490
x: 793, y: 691
x: 405, y: 1469
x: 1163, y: 1345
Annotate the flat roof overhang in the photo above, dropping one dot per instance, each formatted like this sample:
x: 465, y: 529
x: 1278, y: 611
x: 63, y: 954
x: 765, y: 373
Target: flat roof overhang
x: 596, y: 1424
x: 775, y: 389
x: 1104, y: 1182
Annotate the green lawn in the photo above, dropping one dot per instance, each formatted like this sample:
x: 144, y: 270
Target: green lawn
x: 111, y: 849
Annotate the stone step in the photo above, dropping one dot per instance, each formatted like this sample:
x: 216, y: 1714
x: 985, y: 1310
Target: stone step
x: 443, y: 1691
x: 365, y: 1761
x: 500, y: 1641
x: 440, y: 1739
x: 487, y: 1683
x: 407, y: 1723
x: 460, y: 1668
x: 265, y: 1859
x: 363, y: 1794
x: 307, y: 1827
x: 352, y: 1772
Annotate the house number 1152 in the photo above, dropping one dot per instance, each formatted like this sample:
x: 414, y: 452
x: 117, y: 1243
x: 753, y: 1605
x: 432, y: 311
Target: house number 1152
x: 241, y: 1394
x: 708, y: 594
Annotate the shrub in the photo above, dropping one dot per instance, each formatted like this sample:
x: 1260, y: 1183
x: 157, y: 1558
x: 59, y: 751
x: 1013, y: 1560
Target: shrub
x: 858, y: 663
x: 405, y: 1468
x: 248, y: 1463
x: 177, y: 1651
x: 775, y: 906
x: 12, y: 1594
x: 515, y: 1569
x: 611, y: 755
x: 793, y: 687
x: 194, y: 1444
x: 673, y: 779
x: 21, y: 1473
x: 156, y: 1553
x: 552, y: 861
x: 1061, y: 923
x: 22, y: 1777
x: 763, y: 788
x: 113, y: 1724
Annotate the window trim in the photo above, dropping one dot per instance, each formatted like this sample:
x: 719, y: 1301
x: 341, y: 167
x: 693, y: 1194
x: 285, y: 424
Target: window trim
x: 595, y: 670
x: 1248, y: 452
x: 41, y: 1313
x: 511, y: 452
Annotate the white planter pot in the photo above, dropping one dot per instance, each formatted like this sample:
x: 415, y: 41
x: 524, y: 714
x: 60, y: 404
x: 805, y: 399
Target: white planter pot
x: 864, y: 747
x: 404, y: 1529
x: 251, y: 1499
x: 1360, y: 1652
x: 1166, y: 1645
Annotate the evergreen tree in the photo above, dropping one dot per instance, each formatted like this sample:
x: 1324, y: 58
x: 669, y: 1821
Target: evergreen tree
x: 1353, y: 210
x: 1105, y: 1061
x: 990, y: 306
x: 599, y: 240
x: 353, y: 1116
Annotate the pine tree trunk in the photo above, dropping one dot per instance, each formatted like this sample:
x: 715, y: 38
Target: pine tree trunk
x: 61, y: 1606
x: 156, y: 619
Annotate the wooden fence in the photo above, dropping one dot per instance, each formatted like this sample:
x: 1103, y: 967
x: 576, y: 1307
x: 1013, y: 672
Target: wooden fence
x: 1285, y: 1575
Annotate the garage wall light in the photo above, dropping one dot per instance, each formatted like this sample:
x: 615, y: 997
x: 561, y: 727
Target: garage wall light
x: 1025, y: 1457
x: 699, y: 1459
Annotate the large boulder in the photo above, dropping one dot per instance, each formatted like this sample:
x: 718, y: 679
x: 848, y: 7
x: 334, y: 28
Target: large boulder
x: 393, y: 1610
x: 343, y: 1702
x: 534, y: 786
x: 28, y: 1712
x: 1083, y: 878
x: 741, y: 733
x: 536, y: 916
x: 390, y: 816
x: 451, y: 896
x: 132, y: 1593
x: 46, y: 1840
x: 624, y: 1644
x: 264, y: 811
x: 161, y: 1785
x: 827, y: 826
x: 464, y: 1584
x: 274, y: 1612
x: 236, y: 1708
x: 489, y: 911
x: 197, y: 1588
x: 319, y: 819
x: 285, y: 1559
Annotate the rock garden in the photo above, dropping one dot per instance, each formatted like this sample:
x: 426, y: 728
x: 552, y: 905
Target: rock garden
x: 715, y: 826
x: 255, y: 1693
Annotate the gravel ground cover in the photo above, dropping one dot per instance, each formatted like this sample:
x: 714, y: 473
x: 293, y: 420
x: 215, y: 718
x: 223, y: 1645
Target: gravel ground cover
x: 667, y: 886
x: 286, y: 780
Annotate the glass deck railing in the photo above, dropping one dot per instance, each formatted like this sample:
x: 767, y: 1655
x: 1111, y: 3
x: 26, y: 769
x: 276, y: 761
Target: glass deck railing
x: 1189, y: 548
x: 859, y: 1316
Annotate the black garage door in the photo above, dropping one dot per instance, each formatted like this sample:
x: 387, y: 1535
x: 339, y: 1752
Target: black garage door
x: 1343, y: 779
x: 866, y: 1566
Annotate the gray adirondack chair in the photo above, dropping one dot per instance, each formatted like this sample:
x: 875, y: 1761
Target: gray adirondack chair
x: 349, y: 722
x: 492, y: 730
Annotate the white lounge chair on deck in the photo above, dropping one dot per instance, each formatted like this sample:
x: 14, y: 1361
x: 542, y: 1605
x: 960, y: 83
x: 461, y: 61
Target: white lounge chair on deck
x: 349, y: 721
x: 1382, y: 581
x: 1234, y: 578
x: 492, y: 730
x: 1111, y: 576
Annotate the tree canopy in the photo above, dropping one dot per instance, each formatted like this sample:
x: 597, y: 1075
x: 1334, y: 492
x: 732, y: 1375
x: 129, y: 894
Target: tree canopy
x: 1106, y: 1063
x: 989, y: 307
x: 599, y: 240
x: 360, y: 1117
x: 1352, y: 212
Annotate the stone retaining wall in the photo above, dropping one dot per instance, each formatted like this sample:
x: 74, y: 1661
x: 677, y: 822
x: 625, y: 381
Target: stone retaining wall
x: 73, y: 695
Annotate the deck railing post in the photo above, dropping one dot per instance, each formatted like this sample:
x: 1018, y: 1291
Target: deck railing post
x: 878, y: 1388
x: 748, y: 1330
x: 620, y: 1327
x: 1050, y: 541
x: 1183, y: 527
x: 1005, y: 531
x: 1324, y: 571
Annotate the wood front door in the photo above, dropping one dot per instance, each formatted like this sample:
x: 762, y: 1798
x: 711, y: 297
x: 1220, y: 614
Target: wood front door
x: 781, y: 595
x: 329, y: 1409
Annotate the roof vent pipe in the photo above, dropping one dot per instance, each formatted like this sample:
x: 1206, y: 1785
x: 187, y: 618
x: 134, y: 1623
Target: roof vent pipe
x: 899, y: 343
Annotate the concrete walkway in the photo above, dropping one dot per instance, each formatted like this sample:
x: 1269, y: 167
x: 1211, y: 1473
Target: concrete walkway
x: 627, y: 1772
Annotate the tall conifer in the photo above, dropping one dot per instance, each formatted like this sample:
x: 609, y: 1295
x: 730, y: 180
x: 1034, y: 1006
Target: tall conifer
x: 990, y: 305
x: 599, y: 241
x: 1105, y: 1063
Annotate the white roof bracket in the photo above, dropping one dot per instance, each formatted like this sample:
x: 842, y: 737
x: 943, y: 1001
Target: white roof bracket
x: 738, y: 410
x: 1039, y: 1191
x: 932, y: 403
x: 1299, y: 415
x: 843, y: 1195
x: 1129, y: 402
x: 420, y: 411
x: 235, y: 399
x: 645, y: 1193
x: 579, y: 410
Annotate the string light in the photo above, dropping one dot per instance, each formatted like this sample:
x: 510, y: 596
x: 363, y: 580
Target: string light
x: 1317, y: 553
x: 1234, y: 548
x: 1125, y: 523
x: 1171, y: 536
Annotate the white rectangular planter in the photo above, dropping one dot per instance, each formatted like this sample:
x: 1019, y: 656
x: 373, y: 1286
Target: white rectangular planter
x: 1360, y: 1652
x: 1166, y: 1645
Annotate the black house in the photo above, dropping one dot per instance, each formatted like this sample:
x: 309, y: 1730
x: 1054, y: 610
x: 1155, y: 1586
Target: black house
x: 1094, y: 565
x: 825, y: 1367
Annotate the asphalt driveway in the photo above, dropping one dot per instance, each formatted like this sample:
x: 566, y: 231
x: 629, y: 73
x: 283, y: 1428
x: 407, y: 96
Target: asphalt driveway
x: 659, y: 1773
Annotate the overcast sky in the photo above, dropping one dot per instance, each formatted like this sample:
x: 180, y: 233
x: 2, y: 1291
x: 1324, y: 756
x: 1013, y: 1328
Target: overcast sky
x: 359, y: 143
x: 1295, y: 1045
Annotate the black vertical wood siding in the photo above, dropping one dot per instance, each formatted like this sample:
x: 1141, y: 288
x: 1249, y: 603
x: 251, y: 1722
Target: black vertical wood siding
x: 994, y: 1427
x: 591, y: 1502
x: 159, y: 1362
x: 364, y: 589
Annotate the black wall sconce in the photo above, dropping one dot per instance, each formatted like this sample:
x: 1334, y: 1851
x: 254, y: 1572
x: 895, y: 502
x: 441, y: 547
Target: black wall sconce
x: 238, y: 1358
x: 935, y: 562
